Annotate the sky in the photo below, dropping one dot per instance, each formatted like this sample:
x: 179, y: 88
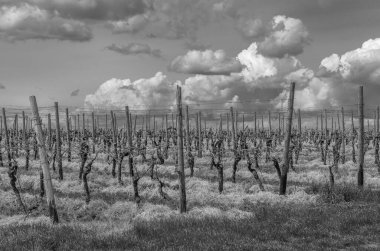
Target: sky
x: 244, y: 53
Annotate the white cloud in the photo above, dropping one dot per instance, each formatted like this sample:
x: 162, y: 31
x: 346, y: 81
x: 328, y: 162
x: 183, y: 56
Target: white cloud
x: 263, y: 71
x: 288, y: 36
x: 331, y: 63
x: 148, y: 93
x: 354, y: 68
x: 256, y: 65
x: 30, y: 22
x: 202, y: 88
x: 315, y: 95
x: 206, y: 62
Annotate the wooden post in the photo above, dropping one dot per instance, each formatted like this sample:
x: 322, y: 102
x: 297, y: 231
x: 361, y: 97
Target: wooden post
x: 337, y: 116
x: 361, y: 138
x: 343, y: 139
x: 106, y: 121
x: 243, y: 122
x: 236, y: 123
x: 84, y: 124
x: 233, y: 127
x: 135, y: 124
x: 130, y: 156
x: 68, y: 136
x: 270, y: 123
x: 377, y: 119
x: 44, y: 162
x: 78, y: 121
x: 322, y: 132
x: 197, y: 131
x: 285, y: 167
x: 49, y: 132
x: 58, y: 141
x: 326, y: 129
x: 181, y: 162
x: 228, y: 124
x: 7, y: 142
x: 25, y: 140
x: 187, y: 130
x: 93, y: 132
x: 167, y: 133
x: 200, y: 135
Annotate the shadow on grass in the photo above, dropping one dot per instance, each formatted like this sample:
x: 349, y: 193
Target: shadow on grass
x: 275, y: 228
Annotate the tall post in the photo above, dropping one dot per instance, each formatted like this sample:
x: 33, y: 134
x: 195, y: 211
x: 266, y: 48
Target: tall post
x: 288, y: 132
x: 236, y: 123
x: 49, y: 132
x: 326, y: 129
x: 361, y: 138
x: 338, y: 117
x: 58, y: 141
x: 93, y: 132
x: 68, y: 136
x: 243, y: 122
x: 84, y: 125
x: 270, y: 123
x: 181, y: 163
x: 187, y: 130
x: 343, y: 139
x: 106, y: 121
x: 377, y: 119
x: 78, y: 121
x: 25, y: 140
x: 130, y: 156
x: 322, y: 132
x: 200, y: 135
x: 7, y: 142
x: 44, y: 162
x: 233, y: 128
x: 228, y: 124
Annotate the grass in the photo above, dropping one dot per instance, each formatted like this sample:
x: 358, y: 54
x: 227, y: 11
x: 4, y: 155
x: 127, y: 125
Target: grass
x: 328, y: 227
x: 309, y: 217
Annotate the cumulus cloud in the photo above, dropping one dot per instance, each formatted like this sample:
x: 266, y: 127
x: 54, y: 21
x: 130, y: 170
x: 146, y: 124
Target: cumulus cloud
x: 206, y: 62
x: 202, y: 88
x: 25, y: 22
x: 354, y: 68
x: 288, y: 36
x: 134, y: 49
x: 311, y: 92
x: 337, y: 81
x: 258, y: 67
x: 148, y: 93
x: 74, y: 93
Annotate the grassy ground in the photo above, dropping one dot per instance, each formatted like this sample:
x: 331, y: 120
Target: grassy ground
x: 310, y: 217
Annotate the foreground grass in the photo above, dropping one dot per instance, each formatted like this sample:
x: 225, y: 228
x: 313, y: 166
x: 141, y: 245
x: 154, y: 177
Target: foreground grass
x: 326, y: 227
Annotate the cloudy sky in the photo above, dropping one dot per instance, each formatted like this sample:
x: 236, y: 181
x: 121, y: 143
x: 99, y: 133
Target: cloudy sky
x: 113, y: 53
